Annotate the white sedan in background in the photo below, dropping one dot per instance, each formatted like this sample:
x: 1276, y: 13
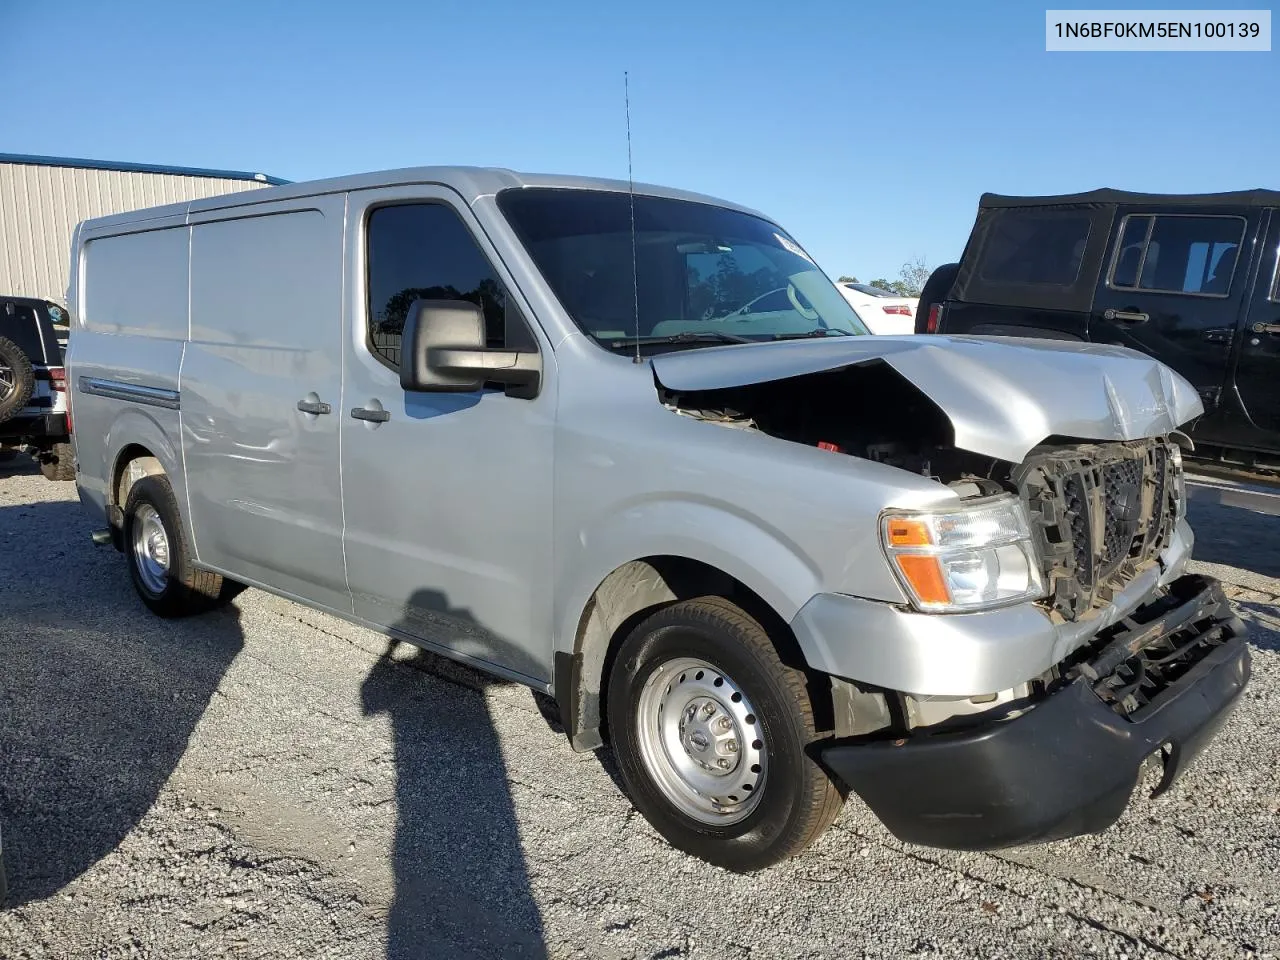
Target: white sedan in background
x: 881, y: 311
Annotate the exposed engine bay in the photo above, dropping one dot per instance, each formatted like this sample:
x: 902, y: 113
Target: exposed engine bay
x: 1100, y: 512
x: 869, y: 411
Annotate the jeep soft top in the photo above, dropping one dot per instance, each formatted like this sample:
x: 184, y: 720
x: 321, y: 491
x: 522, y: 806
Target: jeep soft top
x: 1190, y: 279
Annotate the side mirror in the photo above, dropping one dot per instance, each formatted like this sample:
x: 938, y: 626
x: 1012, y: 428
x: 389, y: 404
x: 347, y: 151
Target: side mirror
x: 443, y: 349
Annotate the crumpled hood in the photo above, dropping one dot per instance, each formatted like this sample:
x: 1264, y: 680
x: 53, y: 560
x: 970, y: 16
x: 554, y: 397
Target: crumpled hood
x: 1003, y: 395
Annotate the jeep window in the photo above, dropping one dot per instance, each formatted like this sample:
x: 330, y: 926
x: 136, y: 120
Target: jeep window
x: 425, y: 251
x: 1175, y: 253
x: 692, y: 270
x: 1034, y: 247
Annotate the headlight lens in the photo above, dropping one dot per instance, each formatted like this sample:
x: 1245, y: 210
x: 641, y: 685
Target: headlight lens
x: 971, y: 558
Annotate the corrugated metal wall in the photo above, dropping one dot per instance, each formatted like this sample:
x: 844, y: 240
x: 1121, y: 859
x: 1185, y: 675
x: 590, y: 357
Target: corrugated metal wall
x: 41, y: 205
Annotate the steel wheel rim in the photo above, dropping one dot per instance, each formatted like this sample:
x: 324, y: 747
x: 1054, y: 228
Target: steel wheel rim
x: 701, y: 741
x: 150, y: 548
x: 8, y: 382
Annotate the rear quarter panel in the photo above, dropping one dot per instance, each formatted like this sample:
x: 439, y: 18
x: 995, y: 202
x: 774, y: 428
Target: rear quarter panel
x: 128, y: 325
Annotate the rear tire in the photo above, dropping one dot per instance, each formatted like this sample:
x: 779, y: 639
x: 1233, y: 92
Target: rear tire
x: 697, y: 687
x: 17, y: 379
x: 159, y: 560
x: 59, y: 463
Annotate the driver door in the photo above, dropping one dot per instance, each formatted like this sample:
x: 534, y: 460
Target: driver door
x: 446, y: 496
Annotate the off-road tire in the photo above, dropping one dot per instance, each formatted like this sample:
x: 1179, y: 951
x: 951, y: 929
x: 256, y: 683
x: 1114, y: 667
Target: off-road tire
x: 936, y: 289
x: 24, y: 378
x: 58, y: 463
x: 187, y: 590
x: 798, y: 799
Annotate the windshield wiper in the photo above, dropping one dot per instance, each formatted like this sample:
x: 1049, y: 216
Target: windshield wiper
x: 815, y: 332
x: 689, y: 336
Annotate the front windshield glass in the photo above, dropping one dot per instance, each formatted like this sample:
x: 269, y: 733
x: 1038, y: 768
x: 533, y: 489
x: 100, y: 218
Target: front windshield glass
x: 701, y: 272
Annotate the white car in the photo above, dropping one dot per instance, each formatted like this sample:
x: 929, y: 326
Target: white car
x: 881, y: 310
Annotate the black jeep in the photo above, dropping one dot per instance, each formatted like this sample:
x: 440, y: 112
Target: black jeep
x: 1190, y: 279
x: 33, y: 388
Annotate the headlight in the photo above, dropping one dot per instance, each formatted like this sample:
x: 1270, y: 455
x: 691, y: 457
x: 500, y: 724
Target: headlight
x: 970, y: 558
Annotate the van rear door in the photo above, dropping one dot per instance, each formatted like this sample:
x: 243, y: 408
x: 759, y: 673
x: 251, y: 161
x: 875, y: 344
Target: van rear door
x: 261, y: 395
x: 1172, y: 288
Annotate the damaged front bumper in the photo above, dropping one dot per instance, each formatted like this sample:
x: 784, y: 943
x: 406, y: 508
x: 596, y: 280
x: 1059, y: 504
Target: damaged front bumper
x: 1159, y: 683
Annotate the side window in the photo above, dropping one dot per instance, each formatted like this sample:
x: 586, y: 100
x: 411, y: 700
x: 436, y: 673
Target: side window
x: 1035, y: 247
x: 1178, y: 254
x: 425, y: 251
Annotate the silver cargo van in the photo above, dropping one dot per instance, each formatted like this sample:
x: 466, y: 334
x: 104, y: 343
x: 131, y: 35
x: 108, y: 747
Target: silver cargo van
x: 635, y: 451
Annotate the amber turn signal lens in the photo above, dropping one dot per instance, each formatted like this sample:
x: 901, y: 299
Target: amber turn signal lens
x: 924, y: 573
x: 904, y: 532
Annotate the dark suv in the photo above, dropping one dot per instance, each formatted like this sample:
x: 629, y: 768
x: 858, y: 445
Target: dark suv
x: 33, y: 389
x: 1190, y: 279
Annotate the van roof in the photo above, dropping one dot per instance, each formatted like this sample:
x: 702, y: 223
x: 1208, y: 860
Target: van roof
x: 1251, y: 198
x: 470, y: 183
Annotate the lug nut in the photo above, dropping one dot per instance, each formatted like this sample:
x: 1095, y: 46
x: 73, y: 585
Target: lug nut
x: 722, y: 763
x: 709, y: 709
x: 731, y: 746
x: 724, y: 724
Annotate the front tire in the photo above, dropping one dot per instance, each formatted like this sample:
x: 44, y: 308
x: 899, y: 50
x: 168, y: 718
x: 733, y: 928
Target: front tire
x: 712, y: 735
x: 159, y: 560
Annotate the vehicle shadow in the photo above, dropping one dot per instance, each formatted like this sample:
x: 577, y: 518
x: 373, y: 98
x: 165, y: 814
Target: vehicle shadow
x: 98, y: 697
x: 461, y: 883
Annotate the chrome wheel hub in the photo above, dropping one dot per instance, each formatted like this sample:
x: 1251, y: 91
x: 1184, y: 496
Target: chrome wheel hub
x: 701, y: 741
x: 151, y: 548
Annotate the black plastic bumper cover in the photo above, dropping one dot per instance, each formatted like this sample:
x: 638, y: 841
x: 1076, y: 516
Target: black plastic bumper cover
x: 1066, y: 767
x: 37, y: 425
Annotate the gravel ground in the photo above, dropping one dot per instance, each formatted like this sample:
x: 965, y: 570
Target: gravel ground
x: 267, y: 781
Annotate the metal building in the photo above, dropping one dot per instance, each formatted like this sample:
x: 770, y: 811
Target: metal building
x: 43, y: 198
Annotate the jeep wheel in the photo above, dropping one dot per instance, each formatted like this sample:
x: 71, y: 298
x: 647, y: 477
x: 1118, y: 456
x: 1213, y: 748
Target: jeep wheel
x: 17, y: 379
x: 58, y: 463
x: 159, y: 562
x: 711, y: 732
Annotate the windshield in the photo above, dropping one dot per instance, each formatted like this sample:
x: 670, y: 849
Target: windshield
x: 699, y: 272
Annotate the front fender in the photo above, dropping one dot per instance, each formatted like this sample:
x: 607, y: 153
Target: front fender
x: 713, y: 533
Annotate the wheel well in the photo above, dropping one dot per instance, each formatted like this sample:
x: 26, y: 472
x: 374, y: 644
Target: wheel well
x: 624, y: 598
x: 134, y: 462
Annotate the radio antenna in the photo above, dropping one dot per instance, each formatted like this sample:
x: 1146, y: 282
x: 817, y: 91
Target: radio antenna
x: 631, y: 190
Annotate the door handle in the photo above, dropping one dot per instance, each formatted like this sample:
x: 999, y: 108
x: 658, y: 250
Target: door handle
x: 1125, y: 316
x: 371, y: 415
x: 314, y: 405
x: 1266, y: 328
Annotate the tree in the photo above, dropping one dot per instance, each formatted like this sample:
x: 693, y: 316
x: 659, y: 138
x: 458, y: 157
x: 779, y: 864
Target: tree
x: 893, y: 286
x: 845, y: 278
x: 914, y: 273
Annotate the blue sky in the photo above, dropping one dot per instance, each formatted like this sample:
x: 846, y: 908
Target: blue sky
x: 868, y: 129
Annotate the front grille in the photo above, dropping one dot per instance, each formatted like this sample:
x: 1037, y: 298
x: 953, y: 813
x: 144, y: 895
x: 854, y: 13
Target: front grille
x: 1122, y: 503
x: 1101, y: 512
